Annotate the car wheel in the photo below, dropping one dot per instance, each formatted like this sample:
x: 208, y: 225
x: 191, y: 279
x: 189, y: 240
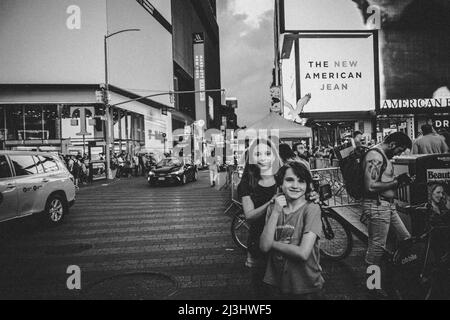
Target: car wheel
x: 55, y: 210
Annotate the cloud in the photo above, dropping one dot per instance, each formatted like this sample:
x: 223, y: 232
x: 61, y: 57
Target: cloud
x: 247, y: 57
x: 253, y: 11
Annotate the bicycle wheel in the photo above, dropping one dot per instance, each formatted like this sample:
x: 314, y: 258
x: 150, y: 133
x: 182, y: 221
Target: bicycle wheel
x: 240, y: 230
x: 337, y: 241
x: 411, y: 273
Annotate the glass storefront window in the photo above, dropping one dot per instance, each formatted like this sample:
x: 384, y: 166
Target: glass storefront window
x: 128, y: 129
x: 33, y: 124
x: 15, y: 122
x: 2, y: 125
x: 51, y: 122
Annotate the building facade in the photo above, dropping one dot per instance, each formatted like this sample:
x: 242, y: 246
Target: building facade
x: 196, y: 59
x: 53, y: 72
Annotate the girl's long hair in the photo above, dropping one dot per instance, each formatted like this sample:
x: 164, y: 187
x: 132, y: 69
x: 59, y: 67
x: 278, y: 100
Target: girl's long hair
x: 252, y: 172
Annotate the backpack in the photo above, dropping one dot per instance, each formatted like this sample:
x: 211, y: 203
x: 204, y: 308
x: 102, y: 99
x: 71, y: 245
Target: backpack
x: 353, y: 171
x: 76, y: 168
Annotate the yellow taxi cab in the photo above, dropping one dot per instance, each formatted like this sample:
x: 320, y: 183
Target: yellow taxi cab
x: 34, y: 183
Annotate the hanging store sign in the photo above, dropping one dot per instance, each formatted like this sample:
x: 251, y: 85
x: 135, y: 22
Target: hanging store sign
x: 441, y: 123
x: 418, y: 105
x: 438, y: 175
x: 199, y: 77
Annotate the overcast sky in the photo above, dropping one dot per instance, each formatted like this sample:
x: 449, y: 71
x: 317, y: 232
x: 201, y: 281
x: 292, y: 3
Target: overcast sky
x: 247, y: 55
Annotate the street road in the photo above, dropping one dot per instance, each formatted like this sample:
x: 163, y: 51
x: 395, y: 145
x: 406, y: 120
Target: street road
x: 136, y: 242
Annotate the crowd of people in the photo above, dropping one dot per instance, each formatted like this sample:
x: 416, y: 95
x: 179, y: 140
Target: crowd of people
x: 279, y: 202
x: 122, y: 164
x: 131, y: 165
x: 79, y: 167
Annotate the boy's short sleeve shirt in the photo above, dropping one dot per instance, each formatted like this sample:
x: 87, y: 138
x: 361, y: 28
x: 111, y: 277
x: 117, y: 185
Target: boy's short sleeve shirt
x: 289, y: 275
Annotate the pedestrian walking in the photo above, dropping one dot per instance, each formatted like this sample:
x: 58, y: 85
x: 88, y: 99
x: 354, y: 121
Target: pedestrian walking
x: 213, y: 168
x: 76, y: 171
x: 291, y: 237
x: 379, y: 208
x: 136, y: 165
x: 121, y: 165
x: 430, y: 142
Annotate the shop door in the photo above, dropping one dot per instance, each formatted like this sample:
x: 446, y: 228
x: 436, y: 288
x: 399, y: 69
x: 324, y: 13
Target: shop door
x: 8, y: 191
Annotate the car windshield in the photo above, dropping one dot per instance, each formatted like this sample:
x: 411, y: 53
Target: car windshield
x: 168, y: 163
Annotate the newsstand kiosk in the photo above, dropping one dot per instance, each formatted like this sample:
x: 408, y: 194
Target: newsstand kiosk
x: 429, y: 171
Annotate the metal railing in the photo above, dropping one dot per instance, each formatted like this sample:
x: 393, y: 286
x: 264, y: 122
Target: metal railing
x: 235, y: 201
x: 333, y: 177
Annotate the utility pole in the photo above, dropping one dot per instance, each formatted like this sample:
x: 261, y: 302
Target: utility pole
x: 107, y: 106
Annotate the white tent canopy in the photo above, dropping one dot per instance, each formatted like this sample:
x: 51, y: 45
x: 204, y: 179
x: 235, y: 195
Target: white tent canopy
x: 288, y: 129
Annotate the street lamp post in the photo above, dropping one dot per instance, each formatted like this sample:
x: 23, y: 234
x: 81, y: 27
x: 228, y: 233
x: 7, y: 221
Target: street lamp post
x: 106, y: 102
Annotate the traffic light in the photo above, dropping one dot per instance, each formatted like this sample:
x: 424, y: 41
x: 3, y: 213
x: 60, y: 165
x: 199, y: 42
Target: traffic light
x: 275, y: 95
x: 223, y: 98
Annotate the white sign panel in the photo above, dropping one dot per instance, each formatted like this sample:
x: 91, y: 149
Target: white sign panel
x: 322, y: 15
x: 338, y: 72
x: 416, y: 103
x: 436, y: 175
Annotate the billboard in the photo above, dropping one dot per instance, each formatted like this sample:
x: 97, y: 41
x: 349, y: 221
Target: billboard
x: 339, y: 71
x: 324, y: 15
x: 52, y: 41
x: 415, y: 46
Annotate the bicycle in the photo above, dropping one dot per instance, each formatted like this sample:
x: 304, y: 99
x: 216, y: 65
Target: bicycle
x: 414, y: 270
x: 239, y: 226
x: 337, y: 241
x: 335, y: 245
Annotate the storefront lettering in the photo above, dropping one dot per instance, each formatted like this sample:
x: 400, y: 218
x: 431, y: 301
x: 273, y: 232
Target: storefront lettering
x: 73, y: 22
x: 441, y: 124
x: 416, y: 103
x: 438, y: 175
x: 83, y: 131
x: 344, y: 64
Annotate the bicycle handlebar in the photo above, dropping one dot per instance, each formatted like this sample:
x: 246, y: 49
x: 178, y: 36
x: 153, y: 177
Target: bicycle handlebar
x: 408, y: 210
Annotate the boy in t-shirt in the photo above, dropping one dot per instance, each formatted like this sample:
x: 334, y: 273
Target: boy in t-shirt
x: 291, y: 237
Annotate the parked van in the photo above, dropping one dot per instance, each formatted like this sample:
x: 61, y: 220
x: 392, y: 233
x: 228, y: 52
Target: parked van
x: 34, y: 183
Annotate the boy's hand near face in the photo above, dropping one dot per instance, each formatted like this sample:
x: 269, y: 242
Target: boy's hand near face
x: 280, y: 203
x: 314, y: 197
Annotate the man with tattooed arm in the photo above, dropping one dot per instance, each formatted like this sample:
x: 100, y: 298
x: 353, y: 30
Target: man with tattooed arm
x: 380, y: 187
